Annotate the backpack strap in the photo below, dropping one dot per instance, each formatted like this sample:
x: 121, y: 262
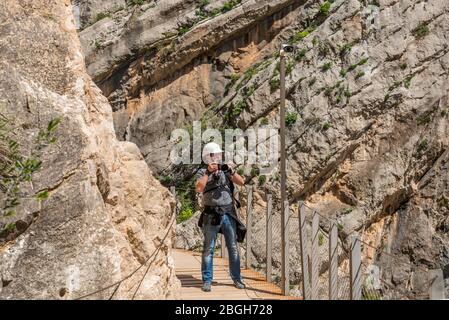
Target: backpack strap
x: 232, y: 188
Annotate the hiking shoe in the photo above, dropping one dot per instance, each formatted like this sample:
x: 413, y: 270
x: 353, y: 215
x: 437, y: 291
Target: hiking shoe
x: 206, y: 287
x: 239, y: 284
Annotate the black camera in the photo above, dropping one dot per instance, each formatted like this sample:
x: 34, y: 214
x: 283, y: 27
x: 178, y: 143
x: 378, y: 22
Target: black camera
x: 223, y: 167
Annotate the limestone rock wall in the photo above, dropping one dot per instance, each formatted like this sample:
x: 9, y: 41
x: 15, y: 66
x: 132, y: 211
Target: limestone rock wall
x: 367, y: 99
x: 106, y: 214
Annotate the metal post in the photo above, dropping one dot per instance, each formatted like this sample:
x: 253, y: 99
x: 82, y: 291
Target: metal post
x: 283, y: 169
x: 355, y: 269
x: 269, y: 235
x: 333, y: 261
x: 175, y: 212
x: 286, y: 251
x: 436, y: 288
x: 303, y: 242
x: 315, y: 255
x: 249, y: 218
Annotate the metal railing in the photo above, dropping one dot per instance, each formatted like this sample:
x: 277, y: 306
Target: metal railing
x: 320, y: 261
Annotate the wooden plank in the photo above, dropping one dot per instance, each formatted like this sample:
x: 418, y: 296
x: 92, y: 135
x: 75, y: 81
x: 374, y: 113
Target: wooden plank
x: 304, y: 249
x: 269, y: 236
x: 333, y: 261
x: 355, y: 268
x: 249, y: 221
x: 314, y: 266
x: 222, y: 285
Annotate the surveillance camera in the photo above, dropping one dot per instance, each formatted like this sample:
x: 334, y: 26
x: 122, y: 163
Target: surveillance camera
x: 288, y: 48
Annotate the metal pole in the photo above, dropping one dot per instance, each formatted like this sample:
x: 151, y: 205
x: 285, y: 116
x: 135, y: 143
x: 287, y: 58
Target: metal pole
x: 286, y: 265
x: 269, y: 235
x: 436, y: 287
x: 249, y: 222
x: 283, y: 172
x: 175, y: 212
x: 355, y: 269
x: 315, y: 255
x: 333, y: 261
x: 304, y: 243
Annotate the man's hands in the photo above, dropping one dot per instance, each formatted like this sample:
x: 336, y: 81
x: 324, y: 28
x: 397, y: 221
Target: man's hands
x: 212, y: 168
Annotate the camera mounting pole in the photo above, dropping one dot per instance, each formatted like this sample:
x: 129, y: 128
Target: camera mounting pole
x: 285, y: 285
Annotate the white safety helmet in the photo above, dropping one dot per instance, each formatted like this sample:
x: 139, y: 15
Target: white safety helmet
x: 211, y: 148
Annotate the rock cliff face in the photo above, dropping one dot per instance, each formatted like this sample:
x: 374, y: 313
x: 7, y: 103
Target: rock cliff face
x: 105, y: 214
x: 367, y: 102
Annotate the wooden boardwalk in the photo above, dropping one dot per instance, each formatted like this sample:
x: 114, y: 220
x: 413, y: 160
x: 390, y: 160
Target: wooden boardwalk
x: 188, y: 271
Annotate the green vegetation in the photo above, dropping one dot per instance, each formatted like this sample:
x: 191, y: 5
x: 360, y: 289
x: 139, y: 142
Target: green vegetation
x: 137, y: 2
x: 17, y: 169
x: 238, y: 108
x: 347, y: 210
x: 363, y: 61
x: 165, y: 180
x: 204, y: 3
x: 325, y: 7
x: 187, y: 208
x: 323, y: 49
x: 359, y: 74
x: 241, y: 171
x: 328, y: 91
x: 183, y: 30
x: 443, y: 202
x: 229, y: 5
x: 312, y: 81
x: 255, y: 171
x: 403, y: 66
x: 291, y: 119
x: 421, y: 31
x: 424, y: 118
x: 248, y: 91
x: 326, y: 126
x: 408, y: 81
x: 370, y: 295
x: 326, y: 66
x: 422, y: 146
x: 299, y: 36
x: 320, y: 239
x: 186, y: 200
x: 289, y: 68
x: 200, y: 13
x: 264, y: 121
x: 352, y: 67
x: 343, y: 73
x: 300, y: 55
x: 345, y: 49
x: 340, y: 227
x: 98, y: 45
x: 262, y: 179
x: 102, y: 15
x: 234, y: 77
x: 275, y: 84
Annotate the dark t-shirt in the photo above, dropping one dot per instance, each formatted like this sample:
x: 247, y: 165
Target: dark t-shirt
x: 220, y: 194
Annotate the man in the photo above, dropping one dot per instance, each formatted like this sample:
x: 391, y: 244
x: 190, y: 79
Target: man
x: 219, y: 213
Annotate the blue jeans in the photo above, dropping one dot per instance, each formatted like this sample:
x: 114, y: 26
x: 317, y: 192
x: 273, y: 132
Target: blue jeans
x: 210, y: 232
